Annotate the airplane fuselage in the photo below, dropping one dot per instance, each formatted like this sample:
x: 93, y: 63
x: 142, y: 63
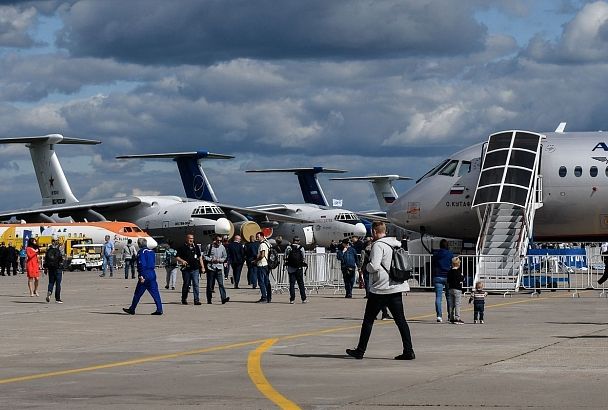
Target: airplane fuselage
x: 574, y: 169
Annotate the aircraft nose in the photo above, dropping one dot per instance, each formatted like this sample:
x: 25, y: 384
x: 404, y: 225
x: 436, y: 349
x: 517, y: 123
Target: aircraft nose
x: 223, y: 226
x: 151, y: 243
x: 360, y: 230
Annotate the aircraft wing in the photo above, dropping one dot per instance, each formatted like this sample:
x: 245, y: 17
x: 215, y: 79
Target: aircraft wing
x: 65, y: 210
x: 264, y: 213
x: 373, y: 216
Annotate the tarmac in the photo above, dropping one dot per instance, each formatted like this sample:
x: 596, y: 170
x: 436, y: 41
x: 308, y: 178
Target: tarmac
x: 532, y: 352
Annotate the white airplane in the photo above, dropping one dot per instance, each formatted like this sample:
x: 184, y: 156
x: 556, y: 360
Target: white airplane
x: 318, y: 225
x: 163, y: 216
x: 558, y: 180
x: 328, y: 223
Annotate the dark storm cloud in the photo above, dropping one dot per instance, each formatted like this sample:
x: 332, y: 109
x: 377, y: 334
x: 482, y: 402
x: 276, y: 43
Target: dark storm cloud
x: 203, y: 32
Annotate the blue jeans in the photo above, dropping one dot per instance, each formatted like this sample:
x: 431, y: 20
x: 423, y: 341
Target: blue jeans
x: 440, y: 285
x: 215, y: 275
x: 107, y: 261
x: 55, y: 276
x: 263, y: 282
x: 130, y: 263
x: 190, y: 276
x: 252, y: 275
x: 478, y: 308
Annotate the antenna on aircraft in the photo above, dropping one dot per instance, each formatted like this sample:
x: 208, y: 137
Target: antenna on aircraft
x: 383, y: 187
x: 309, y: 184
x: 195, y: 181
x: 52, y: 182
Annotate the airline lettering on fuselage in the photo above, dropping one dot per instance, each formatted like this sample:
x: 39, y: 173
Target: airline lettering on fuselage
x: 601, y: 145
x: 458, y: 204
x: 59, y: 201
x: 54, y: 192
x: 182, y: 223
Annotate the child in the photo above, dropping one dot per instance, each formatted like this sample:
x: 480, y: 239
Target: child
x: 478, y: 297
x: 455, y: 279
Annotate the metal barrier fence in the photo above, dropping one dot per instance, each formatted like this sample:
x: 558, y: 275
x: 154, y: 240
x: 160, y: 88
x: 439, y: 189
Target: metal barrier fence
x: 541, y: 273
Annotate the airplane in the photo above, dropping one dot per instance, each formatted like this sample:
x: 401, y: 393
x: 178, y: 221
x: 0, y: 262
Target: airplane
x: 119, y: 232
x: 163, y: 216
x: 570, y: 196
x: 318, y: 225
x: 518, y: 187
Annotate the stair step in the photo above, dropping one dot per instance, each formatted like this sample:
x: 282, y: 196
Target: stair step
x: 505, y: 224
x: 502, y: 238
x: 505, y: 218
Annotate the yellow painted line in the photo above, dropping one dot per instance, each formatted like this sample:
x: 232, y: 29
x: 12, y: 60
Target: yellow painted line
x: 254, y: 369
x: 141, y: 360
x: 155, y: 358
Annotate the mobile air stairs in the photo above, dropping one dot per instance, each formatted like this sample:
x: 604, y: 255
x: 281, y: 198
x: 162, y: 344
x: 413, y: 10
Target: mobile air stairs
x: 509, y: 192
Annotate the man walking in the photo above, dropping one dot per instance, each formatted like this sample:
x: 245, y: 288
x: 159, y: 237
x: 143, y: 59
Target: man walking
x: 53, y: 265
x: 383, y: 292
x: 236, y: 258
x: 107, y: 254
x: 129, y: 254
x: 146, y: 278
x: 347, y: 255
x: 216, y: 255
x: 190, y: 258
x: 251, y: 253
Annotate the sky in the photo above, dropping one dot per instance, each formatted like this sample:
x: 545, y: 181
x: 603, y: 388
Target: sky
x: 368, y: 86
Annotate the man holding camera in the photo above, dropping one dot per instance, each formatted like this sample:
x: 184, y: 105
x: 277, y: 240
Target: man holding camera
x: 215, y: 256
x: 191, y: 261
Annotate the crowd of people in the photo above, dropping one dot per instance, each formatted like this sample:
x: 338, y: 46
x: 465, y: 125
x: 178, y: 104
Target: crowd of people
x: 366, y: 261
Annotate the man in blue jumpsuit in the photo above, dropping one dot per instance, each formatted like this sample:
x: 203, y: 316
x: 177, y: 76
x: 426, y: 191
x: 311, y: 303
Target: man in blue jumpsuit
x: 146, y: 278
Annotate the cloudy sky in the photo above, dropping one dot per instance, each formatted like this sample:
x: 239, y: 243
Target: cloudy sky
x: 369, y: 86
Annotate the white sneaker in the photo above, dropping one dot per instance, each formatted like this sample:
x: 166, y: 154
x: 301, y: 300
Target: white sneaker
x: 439, y: 319
x: 481, y: 321
x: 291, y: 302
x: 48, y: 297
x: 305, y: 301
x: 59, y: 301
x: 474, y: 321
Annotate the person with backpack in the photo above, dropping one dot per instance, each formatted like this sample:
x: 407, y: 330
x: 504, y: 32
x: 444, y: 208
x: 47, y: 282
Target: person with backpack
x: 170, y: 267
x: 251, y: 253
x: 294, y: 260
x: 129, y: 254
x: 364, y: 261
x: 347, y: 255
x: 384, y: 291
x: 53, y: 265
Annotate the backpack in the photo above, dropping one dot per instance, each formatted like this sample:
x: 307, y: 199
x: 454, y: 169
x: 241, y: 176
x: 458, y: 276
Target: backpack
x: 273, y: 258
x: 295, y: 259
x: 52, y: 258
x: 401, y: 265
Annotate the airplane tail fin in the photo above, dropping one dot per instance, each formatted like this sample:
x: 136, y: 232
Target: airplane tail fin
x: 195, y: 182
x: 383, y: 187
x: 52, y: 182
x: 309, y: 184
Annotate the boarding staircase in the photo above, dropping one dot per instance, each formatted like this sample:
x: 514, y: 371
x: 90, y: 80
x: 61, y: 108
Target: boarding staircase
x: 509, y: 192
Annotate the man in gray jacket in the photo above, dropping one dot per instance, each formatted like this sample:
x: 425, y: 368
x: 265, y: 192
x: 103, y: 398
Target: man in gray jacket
x: 383, y: 292
x: 215, y: 256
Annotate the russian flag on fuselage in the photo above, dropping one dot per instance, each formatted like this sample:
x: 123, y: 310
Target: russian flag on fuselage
x: 455, y: 190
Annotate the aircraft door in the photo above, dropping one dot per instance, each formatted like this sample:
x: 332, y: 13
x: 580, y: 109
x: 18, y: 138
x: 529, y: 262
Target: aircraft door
x: 309, y: 236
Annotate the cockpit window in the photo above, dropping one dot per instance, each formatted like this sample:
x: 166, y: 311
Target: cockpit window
x: 465, y: 168
x: 433, y: 170
x: 346, y: 216
x: 127, y: 229
x: 136, y: 229
x: 450, y: 168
